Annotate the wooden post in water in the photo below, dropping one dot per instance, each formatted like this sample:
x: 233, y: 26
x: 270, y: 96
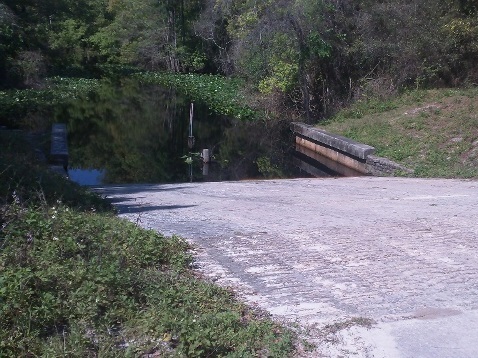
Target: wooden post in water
x: 206, y: 158
x: 191, y: 137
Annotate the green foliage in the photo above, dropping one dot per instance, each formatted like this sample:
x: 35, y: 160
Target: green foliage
x: 282, y: 71
x: 268, y: 169
x: 151, y: 34
x: 317, y: 45
x: 431, y: 132
x: 68, y: 40
x: 77, y: 283
x: 76, y: 268
x: 133, y: 24
x: 222, y: 95
x: 278, y: 47
x: 463, y: 35
x: 23, y: 177
x: 308, y: 57
x: 282, y: 78
x: 56, y: 32
x: 16, y: 104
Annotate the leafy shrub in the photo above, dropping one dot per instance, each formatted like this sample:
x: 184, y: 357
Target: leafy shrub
x: 79, y: 283
x: 61, y: 268
x: 96, y: 283
x: 23, y: 176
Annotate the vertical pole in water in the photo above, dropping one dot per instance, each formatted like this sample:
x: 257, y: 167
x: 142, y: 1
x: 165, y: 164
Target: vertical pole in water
x: 205, y: 161
x: 191, y: 112
x: 191, y: 137
x: 205, y: 155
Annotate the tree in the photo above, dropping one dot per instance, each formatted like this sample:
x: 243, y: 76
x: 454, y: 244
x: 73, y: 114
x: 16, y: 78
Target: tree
x: 151, y: 34
x: 273, y: 44
x: 9, y: 42
x: 41, y: 35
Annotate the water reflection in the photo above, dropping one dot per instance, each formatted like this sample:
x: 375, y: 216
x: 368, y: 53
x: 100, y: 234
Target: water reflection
x: 139, y: 133
x: 318, y: 165
x: 86, y: 176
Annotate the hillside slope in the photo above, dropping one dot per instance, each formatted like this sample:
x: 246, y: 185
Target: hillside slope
x: 433, y: 132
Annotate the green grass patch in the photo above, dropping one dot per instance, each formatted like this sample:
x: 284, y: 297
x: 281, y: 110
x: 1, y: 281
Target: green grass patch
x: 77, y: 281
x: 433, y: 132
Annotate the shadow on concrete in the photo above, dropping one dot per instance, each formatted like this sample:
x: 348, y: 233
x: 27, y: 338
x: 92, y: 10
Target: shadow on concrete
x: 133, y: 189
x: 132, y: 209
x: 118, y: 195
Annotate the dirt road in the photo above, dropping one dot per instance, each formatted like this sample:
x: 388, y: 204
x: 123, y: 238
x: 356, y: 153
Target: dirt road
x: 336, y: 254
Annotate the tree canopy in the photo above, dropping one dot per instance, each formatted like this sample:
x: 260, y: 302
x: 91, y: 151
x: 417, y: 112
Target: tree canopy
x: 307, y: 55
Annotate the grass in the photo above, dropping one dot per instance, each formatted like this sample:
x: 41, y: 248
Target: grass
x: 77, y: 281
x: 432, y: 132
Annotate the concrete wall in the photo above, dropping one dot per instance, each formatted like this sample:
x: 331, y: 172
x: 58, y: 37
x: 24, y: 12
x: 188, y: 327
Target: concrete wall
x: 342, y: 155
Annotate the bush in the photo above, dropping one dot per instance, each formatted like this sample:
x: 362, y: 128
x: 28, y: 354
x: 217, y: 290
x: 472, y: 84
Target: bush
x: 62, y: 269
x: 76, y: 282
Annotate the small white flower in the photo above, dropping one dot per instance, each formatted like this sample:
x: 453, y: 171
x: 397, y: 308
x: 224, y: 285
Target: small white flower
x: 55, y: 238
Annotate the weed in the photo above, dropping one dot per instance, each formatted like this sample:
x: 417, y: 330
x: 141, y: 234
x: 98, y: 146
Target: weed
x: 267, y: 168
x: 416, y: 129
x: 77, y: 281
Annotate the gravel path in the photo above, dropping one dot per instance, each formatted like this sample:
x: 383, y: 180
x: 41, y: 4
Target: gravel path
x: 335, y: 255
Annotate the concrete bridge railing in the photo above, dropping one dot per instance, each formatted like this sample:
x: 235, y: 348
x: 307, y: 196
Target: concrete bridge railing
x: 340, y: 154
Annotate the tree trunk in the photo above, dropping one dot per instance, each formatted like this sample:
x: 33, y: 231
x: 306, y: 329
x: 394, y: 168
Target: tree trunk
x: 304, y: 85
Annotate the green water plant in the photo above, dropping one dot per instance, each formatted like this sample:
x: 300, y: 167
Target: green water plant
x: 15, y: 104
x: 221, y: 94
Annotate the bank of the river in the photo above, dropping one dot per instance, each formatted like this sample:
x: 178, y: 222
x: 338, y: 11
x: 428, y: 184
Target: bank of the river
x: 92, y: 284
x: 25, y: 107
x: 78, y: 281
x: 433, y: 132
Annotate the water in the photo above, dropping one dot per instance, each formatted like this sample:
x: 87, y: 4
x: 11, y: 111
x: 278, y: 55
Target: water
x: 127, y: 132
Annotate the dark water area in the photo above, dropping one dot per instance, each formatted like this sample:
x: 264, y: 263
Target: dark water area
x: 128, y: 132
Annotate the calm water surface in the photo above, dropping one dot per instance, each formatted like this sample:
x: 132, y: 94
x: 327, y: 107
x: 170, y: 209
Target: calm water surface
x: 132, y: 133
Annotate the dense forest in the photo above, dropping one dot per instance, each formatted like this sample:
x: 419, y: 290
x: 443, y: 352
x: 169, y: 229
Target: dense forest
x: 306, y: 56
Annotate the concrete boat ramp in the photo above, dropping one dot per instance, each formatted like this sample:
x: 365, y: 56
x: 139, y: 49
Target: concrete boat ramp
x: 367, y: 266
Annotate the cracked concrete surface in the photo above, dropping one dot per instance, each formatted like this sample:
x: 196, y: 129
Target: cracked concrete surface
x: 402, y: 252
